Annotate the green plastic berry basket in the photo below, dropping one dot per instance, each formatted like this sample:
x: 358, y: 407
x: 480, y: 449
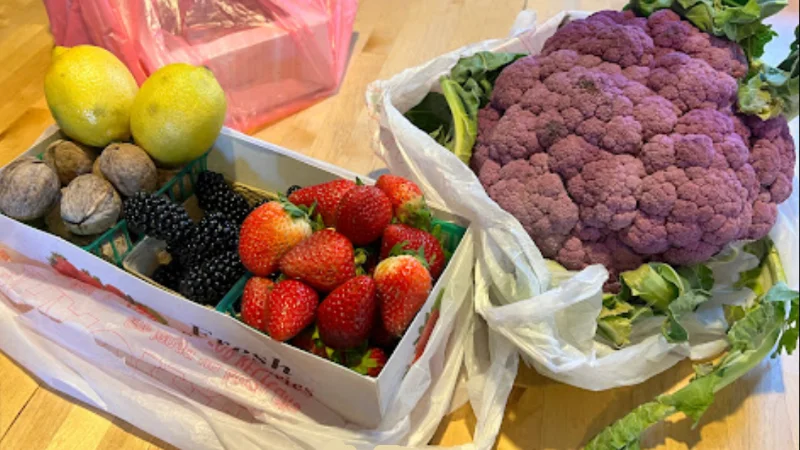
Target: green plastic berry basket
x: 452, y: 235
x: 115, y: 244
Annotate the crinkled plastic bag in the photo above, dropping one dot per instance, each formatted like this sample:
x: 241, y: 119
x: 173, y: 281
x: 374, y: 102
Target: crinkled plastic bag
x: 552, y: 325
x: 271, y: 58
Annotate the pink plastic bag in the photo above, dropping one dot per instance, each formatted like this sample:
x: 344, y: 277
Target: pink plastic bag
x: 272, y: 58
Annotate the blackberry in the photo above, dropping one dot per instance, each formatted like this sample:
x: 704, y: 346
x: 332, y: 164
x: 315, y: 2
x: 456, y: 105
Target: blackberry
x: 214, y: 235
x: 158, y: 217
x: 292, y: 190
x: 209, y: 281
x: 169, y: 275
x: 214, y: 194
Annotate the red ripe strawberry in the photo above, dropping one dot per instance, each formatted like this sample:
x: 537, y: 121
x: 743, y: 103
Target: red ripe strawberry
x: 268, y: 233
x: 408, y: 202
x: 371, y: 362
x: 413, y: 239
x: 324, y: 261
x: 254, y: 301
x: 346, y: 317
x: 310, y: 342
x: 326, y: 196
x: 379, y: 336
x: 403, y: 284
x: 363, y: 214
x: 291, y: 307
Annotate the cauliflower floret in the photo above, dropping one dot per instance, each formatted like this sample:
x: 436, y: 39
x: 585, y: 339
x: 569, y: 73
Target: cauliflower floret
x: 619, y: 144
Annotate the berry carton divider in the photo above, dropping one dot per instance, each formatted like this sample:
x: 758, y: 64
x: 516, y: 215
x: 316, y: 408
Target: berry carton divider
x: 313, y: 386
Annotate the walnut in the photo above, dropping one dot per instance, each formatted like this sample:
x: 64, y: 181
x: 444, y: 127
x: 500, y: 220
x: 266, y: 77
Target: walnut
x: 28, y: 189
x: 90, y: 205
x: 128, y: 168
x: 69, y: 159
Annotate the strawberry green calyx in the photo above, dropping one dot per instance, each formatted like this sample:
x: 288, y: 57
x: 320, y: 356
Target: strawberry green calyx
x: 416, y: 214
x: 418, y: 254
x: 295, y: 211
x: 363, y: 360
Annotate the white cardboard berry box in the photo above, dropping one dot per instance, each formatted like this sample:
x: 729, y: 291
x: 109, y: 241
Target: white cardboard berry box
x: 357, y: 398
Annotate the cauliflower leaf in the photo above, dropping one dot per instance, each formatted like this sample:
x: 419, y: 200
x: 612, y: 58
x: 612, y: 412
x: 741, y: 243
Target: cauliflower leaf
x: 771, y: 324
x: 451, y: 117
x: 766, y: 91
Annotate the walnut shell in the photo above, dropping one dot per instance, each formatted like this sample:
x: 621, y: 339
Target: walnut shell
x: 28, y: 189
x: 90, y: 205
x: 69, y: 160
x: 128, y: 168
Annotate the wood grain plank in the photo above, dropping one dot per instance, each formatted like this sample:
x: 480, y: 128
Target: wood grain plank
x: 39, y: 422
x: 16, y: 389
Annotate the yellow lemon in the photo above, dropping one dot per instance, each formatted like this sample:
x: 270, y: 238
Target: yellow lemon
x: 178, y: 114
x: 90, y: 94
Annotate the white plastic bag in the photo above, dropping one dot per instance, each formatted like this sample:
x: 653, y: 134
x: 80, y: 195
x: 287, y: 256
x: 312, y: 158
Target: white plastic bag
x: 552, y: 329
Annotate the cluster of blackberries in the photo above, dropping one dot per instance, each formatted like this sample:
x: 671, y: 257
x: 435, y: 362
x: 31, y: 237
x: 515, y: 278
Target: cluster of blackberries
x: 205, y: 263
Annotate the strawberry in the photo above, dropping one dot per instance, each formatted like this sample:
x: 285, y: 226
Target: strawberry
x: 371, y: 363
x: 408, y: 202
x: 379, y: 336
x: 403, y: 284
x: 326, y: 196
x: 291, y: 307
x: 404, y: 237
x: 268, y: 233
x: 324, y: 261
x: 310, y: 342
x: 254, y: 301
x: 346, y: 317
x: 64, y: 267
x: 363, y: 214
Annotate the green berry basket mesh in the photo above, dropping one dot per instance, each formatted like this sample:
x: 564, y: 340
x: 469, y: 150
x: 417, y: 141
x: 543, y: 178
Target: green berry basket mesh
x: 115, y: 244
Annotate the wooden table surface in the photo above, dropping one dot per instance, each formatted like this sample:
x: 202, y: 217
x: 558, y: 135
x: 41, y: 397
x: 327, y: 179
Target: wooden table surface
x: 758, y: 412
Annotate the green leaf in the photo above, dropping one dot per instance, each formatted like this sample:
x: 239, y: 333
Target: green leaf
x: 478, y: 73
x: 699, y: 277
x: 451, y: 118
x: 641, y: 313
x: 755, y: 37
x: 695, y: 399
x: 616, y: 329
x: 647, y: 283
x: 431, y: 115
x: 752, y: 338
x: 781, y: 293
x: 464, y: 108
x: 620, y: 308
x: 761, y: 93
x: 769, y: 270
x: 687, y: 303
x: 626, y: 433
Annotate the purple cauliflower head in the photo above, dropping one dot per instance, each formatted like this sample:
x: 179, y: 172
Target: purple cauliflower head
x: 620, y: 144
